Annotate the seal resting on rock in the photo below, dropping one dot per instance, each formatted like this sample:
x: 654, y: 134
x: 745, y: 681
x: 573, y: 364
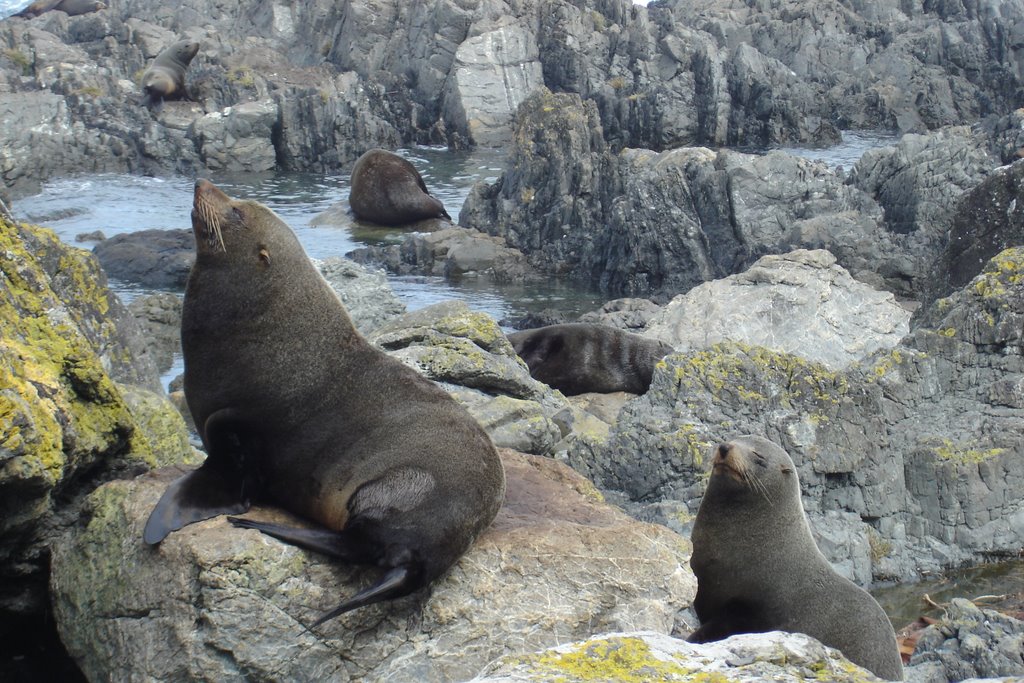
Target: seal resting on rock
x: 758, y: 568
x: 577, y: 358
x: 296, y: 408
x: 164, y: 79
x: 388, y: 190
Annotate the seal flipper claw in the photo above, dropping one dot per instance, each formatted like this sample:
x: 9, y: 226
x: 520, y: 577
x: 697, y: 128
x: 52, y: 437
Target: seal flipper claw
x: 201, y: 494
x: 397, y: 582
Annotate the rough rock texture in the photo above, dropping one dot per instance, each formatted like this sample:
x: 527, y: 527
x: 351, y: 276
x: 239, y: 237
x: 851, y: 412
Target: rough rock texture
x: 159, y: 316
x: 629, y: 314
x: 367, y: 296
x: 312, y: 85
x: 451, y: 252
x: 916, y: 451
x: 987, y: 219
x: 800, y: 303
x: 657, y: 224
x: 640, y: 656
x: 157, y: 259
x: 969, y: 642
x: 67, y: 422
x: 215, y: 603
x: 469, y: 355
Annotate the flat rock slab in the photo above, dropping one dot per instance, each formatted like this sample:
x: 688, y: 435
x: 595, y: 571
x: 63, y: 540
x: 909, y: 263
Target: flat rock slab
x: 643, y: 657
x: 216, y: 603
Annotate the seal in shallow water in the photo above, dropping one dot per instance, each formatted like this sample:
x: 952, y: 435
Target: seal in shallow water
x: 577, y: 358
x: 758, y: 568
x: 296, y: 408
x: 388, y: 190
x: 165, y: 77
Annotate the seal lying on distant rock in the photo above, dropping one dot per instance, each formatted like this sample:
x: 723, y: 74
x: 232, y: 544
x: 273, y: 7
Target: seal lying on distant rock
x: 296, y: 408
x: 75, y: 8
x: 758, y: 568
x: 388, y: 190
x: 37, y: 8
x: 577, y: 358
x: 165, y: 77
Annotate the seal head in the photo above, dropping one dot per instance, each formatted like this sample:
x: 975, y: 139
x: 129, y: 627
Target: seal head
x: 758, y: 568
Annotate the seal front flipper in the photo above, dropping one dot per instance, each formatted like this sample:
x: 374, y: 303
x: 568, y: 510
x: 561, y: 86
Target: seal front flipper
x: 198, y: 495
x: 223, y: 485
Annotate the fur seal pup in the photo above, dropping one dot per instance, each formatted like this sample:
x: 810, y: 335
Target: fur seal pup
x: 576, y: 358
x: 164, y: 79
x: 296, y: 408
x: 758, y: 568
x: 388, y: 190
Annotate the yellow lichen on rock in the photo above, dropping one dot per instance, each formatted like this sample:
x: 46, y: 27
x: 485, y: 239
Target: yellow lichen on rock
x: 627, y: 660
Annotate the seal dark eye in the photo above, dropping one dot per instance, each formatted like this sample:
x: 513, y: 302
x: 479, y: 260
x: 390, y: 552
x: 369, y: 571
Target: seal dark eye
x: 238, y: 214
x: 759, y: 459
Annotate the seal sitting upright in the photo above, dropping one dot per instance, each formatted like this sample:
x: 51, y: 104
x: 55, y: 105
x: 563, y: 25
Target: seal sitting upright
x: 388, y: 190
x: 758, y: 568
x: 165, y: 77
x: 296, y: 408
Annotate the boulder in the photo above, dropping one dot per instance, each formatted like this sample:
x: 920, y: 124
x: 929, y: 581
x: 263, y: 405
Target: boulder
x: 969, y: 642
x: 157, y: 259
x: 367, y: 296
x: 985, y: 220
x: 69, y: 418
x: 800, y: 303
x: 159, y: 316
x: 641, y: 656
x: 469, y: 355
x: 214, y: 603
x: 238, y: 138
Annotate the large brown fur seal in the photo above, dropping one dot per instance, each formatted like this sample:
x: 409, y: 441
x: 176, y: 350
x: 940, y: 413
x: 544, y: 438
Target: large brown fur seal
x: 388, y: 190
x: 164, y: 79
x: 758, y: 568
x: 576, y: 358
x: 296, y: 408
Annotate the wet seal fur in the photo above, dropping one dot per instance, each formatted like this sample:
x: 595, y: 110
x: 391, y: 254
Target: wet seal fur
x: 164, y: 79
x: 577, y: 358
x: 296, y: 408
x: 758, y: 568
x: 388, y: 190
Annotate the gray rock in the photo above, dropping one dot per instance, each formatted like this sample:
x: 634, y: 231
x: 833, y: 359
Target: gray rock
x: 968, y: 643
x: 630, y: 314
x: 800, y: 303
x: 493, y: 72
x: 986, y: 220
x: 238, y: 138
x: 159, y: 316
x: 774, y: 656
x: 157, y: 259
x: 555, y: 565
x: 367, y: 296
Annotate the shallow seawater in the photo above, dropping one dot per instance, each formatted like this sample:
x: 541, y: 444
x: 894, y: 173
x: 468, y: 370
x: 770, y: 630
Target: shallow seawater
x: 849, y: 151
x: 999, y: 585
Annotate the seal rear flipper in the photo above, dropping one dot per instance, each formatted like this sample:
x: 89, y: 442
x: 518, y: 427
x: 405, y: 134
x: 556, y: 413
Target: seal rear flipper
x: 399, y: 581
x: 341, y: 545
x: 201, y: 494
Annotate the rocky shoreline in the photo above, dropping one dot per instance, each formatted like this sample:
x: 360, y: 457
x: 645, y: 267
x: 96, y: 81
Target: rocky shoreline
x: 869, y: 319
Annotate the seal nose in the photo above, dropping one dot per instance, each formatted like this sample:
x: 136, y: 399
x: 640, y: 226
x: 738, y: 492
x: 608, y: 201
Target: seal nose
x: 722, y: 452
x: 202, y: 184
